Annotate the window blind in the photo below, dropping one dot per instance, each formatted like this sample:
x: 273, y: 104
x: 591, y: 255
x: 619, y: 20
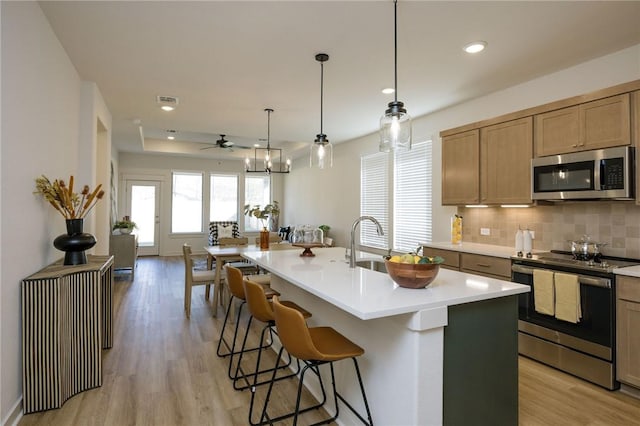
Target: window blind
x: 374, y: 199
x: 412, y: 197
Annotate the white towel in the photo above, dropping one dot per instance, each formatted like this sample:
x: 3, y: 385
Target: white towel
x: 543, y: 294
x: 567, y: 297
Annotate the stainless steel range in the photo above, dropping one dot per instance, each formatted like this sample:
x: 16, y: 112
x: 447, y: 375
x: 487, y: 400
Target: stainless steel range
x: 585, y: 348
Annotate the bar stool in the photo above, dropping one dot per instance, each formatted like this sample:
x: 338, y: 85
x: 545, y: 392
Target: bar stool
x: 261, y: 309
x: 234, y: 283
x: 315, y: 346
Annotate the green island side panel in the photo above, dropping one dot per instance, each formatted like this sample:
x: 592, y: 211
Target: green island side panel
x: 481, y: 364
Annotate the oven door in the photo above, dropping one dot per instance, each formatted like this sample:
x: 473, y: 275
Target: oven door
x: 597, y: 323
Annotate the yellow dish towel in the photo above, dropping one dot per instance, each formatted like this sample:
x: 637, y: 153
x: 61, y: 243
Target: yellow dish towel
x: 543, y: 294
x: 568, y: 297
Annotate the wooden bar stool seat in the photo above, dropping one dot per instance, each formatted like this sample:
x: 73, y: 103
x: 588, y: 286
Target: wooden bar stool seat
x: 315, y: 346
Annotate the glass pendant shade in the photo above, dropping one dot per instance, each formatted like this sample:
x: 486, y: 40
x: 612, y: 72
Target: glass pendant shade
x: 395, y: 128
x: 321, y: 153
x: 395, y: 124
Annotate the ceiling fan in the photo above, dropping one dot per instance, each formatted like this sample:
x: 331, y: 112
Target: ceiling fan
x: 224, y: 143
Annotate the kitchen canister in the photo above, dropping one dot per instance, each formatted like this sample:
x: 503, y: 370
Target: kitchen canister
x: 527, y: 242
x: 519, y: 242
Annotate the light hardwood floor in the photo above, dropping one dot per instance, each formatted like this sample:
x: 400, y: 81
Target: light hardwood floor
x: 163, y: 370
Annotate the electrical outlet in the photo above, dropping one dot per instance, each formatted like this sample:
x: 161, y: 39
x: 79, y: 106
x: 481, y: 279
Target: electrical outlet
x: 533, y: 235
x: 485, y: 231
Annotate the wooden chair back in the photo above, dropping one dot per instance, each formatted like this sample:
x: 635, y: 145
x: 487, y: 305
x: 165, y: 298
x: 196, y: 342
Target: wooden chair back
x: 242, y: 241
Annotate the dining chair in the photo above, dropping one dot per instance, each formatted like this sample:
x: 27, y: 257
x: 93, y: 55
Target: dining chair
x: 245, y: 266
x: 196, y: 277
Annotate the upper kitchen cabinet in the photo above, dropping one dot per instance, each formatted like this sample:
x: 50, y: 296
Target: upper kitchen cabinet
x: 602, y: 123
x: 506, y: 150
x: 461, y: 168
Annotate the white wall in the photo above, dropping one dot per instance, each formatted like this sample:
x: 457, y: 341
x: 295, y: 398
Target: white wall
x: 41, y: 134
x: 160, y: 167
x: 332, y: 196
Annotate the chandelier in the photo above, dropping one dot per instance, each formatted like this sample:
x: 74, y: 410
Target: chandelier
x: 265, y: 158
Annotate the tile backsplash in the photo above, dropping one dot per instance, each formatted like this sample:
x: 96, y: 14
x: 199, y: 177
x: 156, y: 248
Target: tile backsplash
x: 615, y: 223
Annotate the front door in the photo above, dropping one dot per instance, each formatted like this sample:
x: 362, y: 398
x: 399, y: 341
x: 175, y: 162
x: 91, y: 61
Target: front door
x: 143, y: 205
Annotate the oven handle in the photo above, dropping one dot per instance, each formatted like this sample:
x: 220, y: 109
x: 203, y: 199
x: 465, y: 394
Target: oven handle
x: 583, y: 279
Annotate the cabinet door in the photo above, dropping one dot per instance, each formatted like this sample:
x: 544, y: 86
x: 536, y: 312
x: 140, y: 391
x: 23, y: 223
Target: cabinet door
x: 628, y: 330
x: 506, y: 150
x: 461, y: 168
x: 593, y: 125
x: 605, y: 123
x: 557, y: 132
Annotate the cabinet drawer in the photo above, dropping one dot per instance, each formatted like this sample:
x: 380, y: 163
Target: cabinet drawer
x: 451, y: 258
x: 485, y: 265
x: 628, y: 288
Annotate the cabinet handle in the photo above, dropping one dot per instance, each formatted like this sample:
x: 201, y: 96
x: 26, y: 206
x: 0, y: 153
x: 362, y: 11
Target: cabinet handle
x: 575, y: 145
x: 483, y: 265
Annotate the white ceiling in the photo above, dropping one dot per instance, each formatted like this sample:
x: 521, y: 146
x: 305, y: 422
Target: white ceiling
x: 227, y: 61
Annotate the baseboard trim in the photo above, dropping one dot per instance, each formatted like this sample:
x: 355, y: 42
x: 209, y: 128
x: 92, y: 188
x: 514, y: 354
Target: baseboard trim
x: 15, y: 415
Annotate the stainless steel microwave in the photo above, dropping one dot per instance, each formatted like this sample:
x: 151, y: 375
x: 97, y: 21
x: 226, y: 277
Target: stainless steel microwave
x: 588, y: 175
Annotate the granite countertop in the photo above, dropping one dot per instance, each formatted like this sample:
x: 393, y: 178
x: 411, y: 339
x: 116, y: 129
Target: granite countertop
x: 369, y: 294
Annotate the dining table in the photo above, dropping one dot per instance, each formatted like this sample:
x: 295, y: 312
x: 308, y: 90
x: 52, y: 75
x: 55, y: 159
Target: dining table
x: 233, y: 253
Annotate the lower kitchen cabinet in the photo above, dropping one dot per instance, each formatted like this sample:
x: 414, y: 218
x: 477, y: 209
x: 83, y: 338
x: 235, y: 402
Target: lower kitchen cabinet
x: 451, y: 258
x: 628, y: 330
x: 488, y: 266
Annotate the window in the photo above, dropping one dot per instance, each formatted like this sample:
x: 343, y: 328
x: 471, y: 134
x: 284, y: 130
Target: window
x: 402, y: 204
x: 257, y: 191
x: 186, y: 202
x: 223, y: 204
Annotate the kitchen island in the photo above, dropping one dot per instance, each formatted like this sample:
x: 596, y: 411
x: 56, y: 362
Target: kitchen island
x: 446, y: 354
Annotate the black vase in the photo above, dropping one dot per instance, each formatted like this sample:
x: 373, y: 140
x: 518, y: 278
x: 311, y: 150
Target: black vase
x: 74, y: 243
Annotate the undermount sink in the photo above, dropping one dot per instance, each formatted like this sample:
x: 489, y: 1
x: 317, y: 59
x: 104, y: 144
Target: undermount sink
x: 372, y: 264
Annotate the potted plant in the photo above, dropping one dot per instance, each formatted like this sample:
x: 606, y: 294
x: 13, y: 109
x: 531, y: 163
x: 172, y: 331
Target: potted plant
x: 270, y: 212
x: 125, y: 226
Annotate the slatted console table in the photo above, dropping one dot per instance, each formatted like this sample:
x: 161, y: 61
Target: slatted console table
x: 66, y: 322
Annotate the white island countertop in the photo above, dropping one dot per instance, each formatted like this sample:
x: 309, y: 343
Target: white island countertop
x: 368, y: 294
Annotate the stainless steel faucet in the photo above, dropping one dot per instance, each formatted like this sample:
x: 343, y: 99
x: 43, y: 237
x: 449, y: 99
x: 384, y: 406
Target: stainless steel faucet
x: 352, y: 255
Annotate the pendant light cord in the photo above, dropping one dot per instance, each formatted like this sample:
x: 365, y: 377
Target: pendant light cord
x: 395, y: 48
x: 321, y: 93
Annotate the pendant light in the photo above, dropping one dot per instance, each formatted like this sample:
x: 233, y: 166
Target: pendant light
x: 395, y: 124
x: 268, y: 156
x: 321, y: 150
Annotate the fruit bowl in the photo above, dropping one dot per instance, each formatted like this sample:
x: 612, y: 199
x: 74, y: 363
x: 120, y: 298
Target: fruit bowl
x: 408, y: 275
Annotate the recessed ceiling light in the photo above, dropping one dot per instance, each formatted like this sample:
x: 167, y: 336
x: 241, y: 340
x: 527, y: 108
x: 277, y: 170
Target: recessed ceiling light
x: 475, y: 47
x: 388, y: 90
x: 167, y: 103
